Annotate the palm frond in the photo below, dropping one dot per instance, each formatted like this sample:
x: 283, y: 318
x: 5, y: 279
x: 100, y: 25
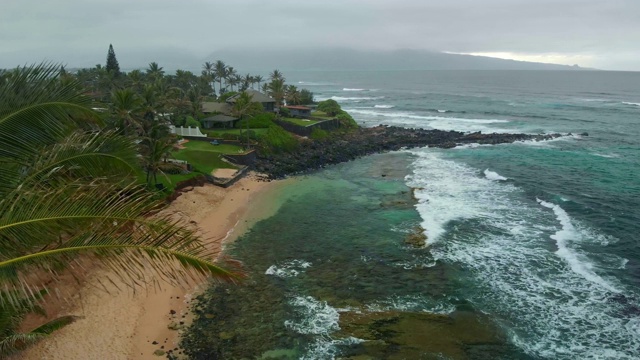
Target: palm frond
x: 55, y: 324
x: 79, y: 155
x: 16, y: 342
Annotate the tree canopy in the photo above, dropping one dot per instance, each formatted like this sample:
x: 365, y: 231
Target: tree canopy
x: 112, y: 62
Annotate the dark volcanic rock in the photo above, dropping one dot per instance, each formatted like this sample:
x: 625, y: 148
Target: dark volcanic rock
x: 312, y: 155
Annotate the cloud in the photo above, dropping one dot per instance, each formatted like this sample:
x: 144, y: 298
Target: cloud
x: 601, y: 33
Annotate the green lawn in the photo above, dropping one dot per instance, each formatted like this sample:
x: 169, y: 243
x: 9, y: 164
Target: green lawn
x: 301, y: 122
x: 217, y: 133
x: 205, y: 157
x: 321, y: 114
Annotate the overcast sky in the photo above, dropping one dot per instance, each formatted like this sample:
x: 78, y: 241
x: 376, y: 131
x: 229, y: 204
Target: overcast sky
x: 603, y: 34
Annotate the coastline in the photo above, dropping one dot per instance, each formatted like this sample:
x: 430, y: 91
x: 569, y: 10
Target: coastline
x: 119, y: 324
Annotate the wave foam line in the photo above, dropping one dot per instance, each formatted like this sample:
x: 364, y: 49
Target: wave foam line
x: 567, y: 234
x: 492, y: 175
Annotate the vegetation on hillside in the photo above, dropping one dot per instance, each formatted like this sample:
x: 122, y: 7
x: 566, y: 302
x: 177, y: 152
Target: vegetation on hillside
x: 68, y: 187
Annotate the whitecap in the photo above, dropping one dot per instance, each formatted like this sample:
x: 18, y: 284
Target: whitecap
x: 355, y: 98
x: 631, y: 103
x: 313, y: 316
x: 608, y: 156
x: 500, y: 242
x: 384, y: 106
x: 408, y: 119
x: 563, y: 237
x: 349, y: 89
x: 288, y: 269
x: 311, y: 83
x: 442, y: 111
x: 492, y: 175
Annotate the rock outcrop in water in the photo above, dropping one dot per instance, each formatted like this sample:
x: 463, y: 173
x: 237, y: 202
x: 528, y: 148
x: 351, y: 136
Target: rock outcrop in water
x: 312, y: 155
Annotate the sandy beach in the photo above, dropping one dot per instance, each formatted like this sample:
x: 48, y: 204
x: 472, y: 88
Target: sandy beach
x: 121, y: 325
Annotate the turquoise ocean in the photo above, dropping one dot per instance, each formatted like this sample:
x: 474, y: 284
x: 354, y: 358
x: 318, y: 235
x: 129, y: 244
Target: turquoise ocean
x: 533, y: 247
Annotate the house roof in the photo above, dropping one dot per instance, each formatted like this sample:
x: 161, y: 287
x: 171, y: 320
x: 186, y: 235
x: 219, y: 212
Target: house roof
x: 257, y: 96
x: 213, y: 107
x: 220, y: 118
x: 297, y: 107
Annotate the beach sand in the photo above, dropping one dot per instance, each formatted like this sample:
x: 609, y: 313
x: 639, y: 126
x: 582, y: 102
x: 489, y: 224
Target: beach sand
x: 122, y: 325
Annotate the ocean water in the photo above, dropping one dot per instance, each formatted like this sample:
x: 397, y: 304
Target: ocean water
x: 532, y: 248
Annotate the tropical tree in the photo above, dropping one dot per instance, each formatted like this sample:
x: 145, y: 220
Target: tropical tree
x: 258, y: 79
x: 277, y: 91
x: 68, y: 188
x: 125, y: 105
x: 276, y: 75
x: 245, y: 106
x: 112, y: 62
x: 221, y: 73
x: 292, y: 95
x: 208, y: 74
x: 155, y: 146
x: 155, y: 71
x: 136, y: 78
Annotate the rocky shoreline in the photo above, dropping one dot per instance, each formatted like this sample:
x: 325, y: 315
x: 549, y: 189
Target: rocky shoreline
x: 313, y: 155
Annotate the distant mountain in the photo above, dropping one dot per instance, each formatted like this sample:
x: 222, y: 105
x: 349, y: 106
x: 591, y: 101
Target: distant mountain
x: 349, y: 59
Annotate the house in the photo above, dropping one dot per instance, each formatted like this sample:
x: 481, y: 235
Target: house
x: 219, y: 121
x: 267, y: 102
x: 299, y: 111
x: 211, y: 107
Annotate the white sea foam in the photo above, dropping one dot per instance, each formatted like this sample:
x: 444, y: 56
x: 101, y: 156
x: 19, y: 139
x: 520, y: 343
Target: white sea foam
x: 288, y: 269
x: 313, y: 317
x: 563, y: 238
x: 413, y: 303
x: 384, y: 106
x: 349, y: 89
x: 492, y: 175
x: 608, y: 156
x: 311, y: 83
x: 356, y: 98
x: 500, y: 241
x: 631, y: 103
x: 442, y: 111
x: 408, y: 119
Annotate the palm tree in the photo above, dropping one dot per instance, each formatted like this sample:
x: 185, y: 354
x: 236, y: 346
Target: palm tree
x: 208, y: 71
x: 277, y: 91
x: 136, y: 78
x: 231, y: 76
x: 258, y: 79
x: 68, y: 188
x: 245, y: 106
x: 247, y: 81
x: 124, y: 107
x: 276, y: 75
x: 155, y: 71
x: 155, y: 146
x: 292, y: 95
x: 221, y: 73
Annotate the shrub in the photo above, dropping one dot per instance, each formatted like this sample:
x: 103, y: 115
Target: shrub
x: 318, y: 134
x: 276, y: 139
x: 346, y: 120
x: 306, y: 97
x: 330, y: 107
x: 229, y: 136
x: 285, y: 112
x: 191, y: 122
